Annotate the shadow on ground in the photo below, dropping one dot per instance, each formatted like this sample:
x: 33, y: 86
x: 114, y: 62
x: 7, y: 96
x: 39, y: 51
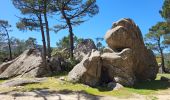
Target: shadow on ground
x: 153, y: 85
x: 45, y: 94
x: 147, y: 85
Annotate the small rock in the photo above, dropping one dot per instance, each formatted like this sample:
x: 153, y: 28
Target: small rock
x: 111, y: 85
x: 61, y: 79
x: 118, y: 86
x: 114, y: 86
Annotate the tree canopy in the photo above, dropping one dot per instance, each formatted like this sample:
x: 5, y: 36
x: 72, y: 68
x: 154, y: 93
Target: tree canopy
x: 74, y: 12
x: 165, y: 12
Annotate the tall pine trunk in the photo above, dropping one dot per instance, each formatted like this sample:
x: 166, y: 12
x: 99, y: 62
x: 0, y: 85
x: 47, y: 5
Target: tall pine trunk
x: 162, y: 57
x: 43, y: 40
x: 162, y: 61
x: 71, y: 40
x: 9, y: 45
x: 70, y: 32
x: 47, y: 30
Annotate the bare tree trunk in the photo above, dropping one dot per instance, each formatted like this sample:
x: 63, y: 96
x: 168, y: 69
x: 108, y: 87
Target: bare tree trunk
x: 162, y: 57
x: 47, y: 30
x: 43, y: 40
x: 71, y: 33
x: 71, y: 40
x: 162, y: 61
x: 9, y: 44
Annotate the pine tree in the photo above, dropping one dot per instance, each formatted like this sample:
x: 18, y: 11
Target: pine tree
x: 156, y: 41
x: 4, y: 30
x: 33, y: 10
x: 73, y: 13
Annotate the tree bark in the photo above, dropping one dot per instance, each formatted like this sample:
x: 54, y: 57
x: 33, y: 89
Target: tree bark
x: 43, y: 40
x: 47, y: 30
x: 71, y: 39
x: 9, y: 45
x: 70, y: 32
x: 162, y: 61
x: 162, y: 57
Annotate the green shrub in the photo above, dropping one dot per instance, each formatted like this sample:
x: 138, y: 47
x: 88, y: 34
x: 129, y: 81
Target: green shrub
x: 64, y: 56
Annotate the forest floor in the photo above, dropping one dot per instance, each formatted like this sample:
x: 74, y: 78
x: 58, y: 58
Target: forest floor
x: 56, y: 89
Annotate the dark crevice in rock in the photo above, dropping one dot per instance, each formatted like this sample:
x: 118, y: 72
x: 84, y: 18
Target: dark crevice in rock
x: 120, y: 49
x: 105, y: 77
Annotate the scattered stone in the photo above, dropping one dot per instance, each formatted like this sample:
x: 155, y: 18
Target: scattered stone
x: 118, y: 86
x: 114, y: 86
x: 61, y: 79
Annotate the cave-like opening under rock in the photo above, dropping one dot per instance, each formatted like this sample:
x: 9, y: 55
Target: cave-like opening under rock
x: 105, y: 77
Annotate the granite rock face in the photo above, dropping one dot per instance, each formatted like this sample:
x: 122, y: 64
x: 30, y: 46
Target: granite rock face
x: 83, y: 48
x: 28, y: 64
x: 125, y: 61
x: 88, y: 70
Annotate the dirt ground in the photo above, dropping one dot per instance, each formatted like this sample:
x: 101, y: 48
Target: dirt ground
x: 51, y: 95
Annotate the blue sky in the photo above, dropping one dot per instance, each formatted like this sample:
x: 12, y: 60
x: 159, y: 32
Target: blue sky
x: 145, y: 13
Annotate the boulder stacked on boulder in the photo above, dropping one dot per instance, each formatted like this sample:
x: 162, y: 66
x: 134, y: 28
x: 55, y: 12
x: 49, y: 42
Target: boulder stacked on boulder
x: 126, y: 61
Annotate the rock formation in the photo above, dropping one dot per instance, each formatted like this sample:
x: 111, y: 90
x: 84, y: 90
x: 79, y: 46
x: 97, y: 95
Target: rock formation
x: 88, y: 70
x: 83, y: 48
x: 126, y: 61
x: 28, y: 64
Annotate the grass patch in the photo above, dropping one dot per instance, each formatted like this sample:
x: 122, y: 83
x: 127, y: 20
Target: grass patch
x: 159, y: 76
x: 53, y: 84
x: 142, y: 88
x: 57, y: 75
x: 2, y: 80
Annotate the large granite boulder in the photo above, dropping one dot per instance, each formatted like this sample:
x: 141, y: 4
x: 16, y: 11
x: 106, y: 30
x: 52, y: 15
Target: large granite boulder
x: 83, y: 48
x: 126, y: 34
x: 28, y: 64
x: 5, y: 65
x: 126, y: 61
x: 88, y: 70
x: 118, y: 67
